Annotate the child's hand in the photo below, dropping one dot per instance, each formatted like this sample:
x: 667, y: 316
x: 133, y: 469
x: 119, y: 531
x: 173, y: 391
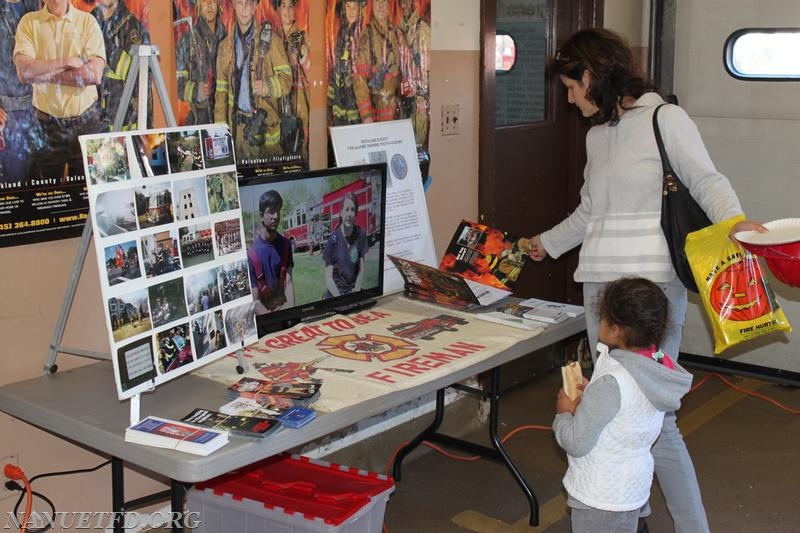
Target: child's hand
x: 582, y: 385
x: 564, y: 404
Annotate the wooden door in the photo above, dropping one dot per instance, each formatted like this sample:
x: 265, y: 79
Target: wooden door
x: 532, y: 149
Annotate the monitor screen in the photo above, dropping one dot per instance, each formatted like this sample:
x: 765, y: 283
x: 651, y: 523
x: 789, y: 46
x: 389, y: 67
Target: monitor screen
x: 315, y: 242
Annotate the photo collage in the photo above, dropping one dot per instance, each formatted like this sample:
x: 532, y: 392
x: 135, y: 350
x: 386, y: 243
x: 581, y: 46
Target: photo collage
x: 167, y: 223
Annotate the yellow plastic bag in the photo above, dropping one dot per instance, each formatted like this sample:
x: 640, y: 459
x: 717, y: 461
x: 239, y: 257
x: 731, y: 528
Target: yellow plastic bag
x: 738, y: 301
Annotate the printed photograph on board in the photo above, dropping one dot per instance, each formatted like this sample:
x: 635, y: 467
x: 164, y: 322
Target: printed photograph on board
x: 108, y: 160
x: 196, y: 244
x: 130, y: 314
x: 160, y: 253
x: 223, y: 192
x: 154, y: 205
x: 190, y: 199
x: 174, y: 348
x: 167, y: 301
x: 202, y: 291
x: 122, y: 262
x: 208, y: 333
x: 262, y: 94
x: 115, y: 212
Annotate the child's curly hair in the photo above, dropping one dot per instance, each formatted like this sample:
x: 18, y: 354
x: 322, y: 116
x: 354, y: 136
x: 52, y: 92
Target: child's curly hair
x: 639, y: 307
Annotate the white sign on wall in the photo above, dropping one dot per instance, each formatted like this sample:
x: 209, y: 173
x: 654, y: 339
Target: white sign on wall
x: 408, y: 228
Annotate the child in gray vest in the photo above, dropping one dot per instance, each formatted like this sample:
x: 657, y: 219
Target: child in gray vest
x: 607, y: 432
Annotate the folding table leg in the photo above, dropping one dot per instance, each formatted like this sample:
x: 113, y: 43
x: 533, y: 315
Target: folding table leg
x: 494, y: 415
x: 426, y: 433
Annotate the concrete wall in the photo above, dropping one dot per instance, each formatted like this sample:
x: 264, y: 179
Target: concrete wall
x: 35, y: 276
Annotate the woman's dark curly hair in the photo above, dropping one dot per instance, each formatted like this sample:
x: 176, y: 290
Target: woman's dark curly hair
x: 608, y: 57
x: 639, y: 307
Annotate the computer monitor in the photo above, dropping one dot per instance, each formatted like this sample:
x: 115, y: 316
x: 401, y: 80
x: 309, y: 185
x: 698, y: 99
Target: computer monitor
x: 315, y: 242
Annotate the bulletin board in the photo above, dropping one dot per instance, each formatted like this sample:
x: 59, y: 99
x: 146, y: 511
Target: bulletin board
x: 166, y: 215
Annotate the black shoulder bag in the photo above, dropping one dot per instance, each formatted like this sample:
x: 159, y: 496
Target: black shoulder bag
x: 680, y: 214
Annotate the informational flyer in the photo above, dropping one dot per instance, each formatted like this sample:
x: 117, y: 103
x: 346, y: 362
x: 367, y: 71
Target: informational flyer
x: 408, y: 227
x: 166, y: 215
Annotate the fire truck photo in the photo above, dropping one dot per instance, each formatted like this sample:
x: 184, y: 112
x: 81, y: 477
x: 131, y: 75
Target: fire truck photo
x: 308, y: 225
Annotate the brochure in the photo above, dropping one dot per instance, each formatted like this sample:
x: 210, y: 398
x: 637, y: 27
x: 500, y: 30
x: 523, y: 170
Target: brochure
x: 571, y: 310
x: 268, y: 408
x: 540, y: 314
x: 297, y: 417
x: 300, y: 393
x: 239, y: 426
x: 164, y: 433
x: 499, y: 317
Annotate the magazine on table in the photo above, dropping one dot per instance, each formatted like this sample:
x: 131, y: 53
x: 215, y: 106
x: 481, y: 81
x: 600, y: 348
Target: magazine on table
x: 431, y: 284
x: 238, y: 426
x: 180, y: 436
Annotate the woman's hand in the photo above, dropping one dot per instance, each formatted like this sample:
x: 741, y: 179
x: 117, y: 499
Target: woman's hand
x: 746, y: 225
x: 537, y: 252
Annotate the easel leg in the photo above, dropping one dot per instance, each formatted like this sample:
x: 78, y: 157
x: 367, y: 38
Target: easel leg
x: 427, y: 432
x: 50, y: 366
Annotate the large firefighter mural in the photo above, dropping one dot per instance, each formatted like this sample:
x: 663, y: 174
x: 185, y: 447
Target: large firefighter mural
x: 246, y: 63
x: 41, y: 165
x: 378, y: 64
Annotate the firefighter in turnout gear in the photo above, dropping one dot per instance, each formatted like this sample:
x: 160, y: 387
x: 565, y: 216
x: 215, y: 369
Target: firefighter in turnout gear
x: 414, y: 68
x: 377, y: 69
x: 341, y: 97
x: 253, y: 72
x: 16, y: 107
x: 294, y: 106
x: 196, y: 61
x: 121, y: 30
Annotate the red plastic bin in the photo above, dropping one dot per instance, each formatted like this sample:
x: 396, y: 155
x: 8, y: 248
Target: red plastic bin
x: 292, y: 494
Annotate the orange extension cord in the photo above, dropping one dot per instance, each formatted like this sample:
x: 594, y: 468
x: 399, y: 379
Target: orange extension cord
x: 16, y: 473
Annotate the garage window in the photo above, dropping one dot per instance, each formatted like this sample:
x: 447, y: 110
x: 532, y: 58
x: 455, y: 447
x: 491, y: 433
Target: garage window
x: 763, y: 54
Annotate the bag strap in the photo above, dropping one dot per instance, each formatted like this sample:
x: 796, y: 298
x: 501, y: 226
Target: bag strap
x: 661, y: 150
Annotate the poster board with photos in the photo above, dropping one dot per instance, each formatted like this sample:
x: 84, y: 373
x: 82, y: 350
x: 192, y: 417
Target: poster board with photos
x: 408, y: 227
x: 166, y: 215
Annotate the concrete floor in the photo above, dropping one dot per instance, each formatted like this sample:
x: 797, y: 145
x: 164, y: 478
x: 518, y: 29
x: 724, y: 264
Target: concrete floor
x: 745, y: 451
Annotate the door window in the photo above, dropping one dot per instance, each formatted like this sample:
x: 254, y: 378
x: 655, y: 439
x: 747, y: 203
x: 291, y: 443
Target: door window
x: 521, y: 38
